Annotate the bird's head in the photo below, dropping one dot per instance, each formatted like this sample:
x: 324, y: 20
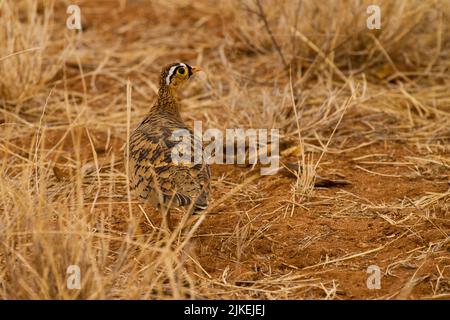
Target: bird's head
x: 176, y: 74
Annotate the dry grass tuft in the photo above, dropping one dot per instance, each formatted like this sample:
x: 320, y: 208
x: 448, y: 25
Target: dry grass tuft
x: 31, y: 54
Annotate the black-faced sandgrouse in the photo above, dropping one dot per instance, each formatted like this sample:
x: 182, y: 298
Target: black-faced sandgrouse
x: 154, y: 175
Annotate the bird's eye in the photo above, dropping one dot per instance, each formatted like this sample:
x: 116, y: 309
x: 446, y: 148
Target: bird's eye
x: 181, y: 70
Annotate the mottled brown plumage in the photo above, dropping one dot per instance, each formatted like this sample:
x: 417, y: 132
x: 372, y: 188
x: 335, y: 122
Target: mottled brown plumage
x: 154, y: 176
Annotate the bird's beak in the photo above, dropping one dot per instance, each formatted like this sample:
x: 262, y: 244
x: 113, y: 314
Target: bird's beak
x: 196, y: 69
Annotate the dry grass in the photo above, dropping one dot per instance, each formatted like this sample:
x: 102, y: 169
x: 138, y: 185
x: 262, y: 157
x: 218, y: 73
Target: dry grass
x: 372, y: 107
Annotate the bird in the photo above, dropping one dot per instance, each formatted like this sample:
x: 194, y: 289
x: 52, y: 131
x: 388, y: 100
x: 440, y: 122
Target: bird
x: 154, y: 176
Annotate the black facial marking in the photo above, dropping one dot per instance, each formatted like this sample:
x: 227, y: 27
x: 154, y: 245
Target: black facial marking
x: 189, y: 70
x: 181, y: 70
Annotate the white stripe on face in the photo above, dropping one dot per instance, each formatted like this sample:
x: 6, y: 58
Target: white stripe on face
x: 171, y: 70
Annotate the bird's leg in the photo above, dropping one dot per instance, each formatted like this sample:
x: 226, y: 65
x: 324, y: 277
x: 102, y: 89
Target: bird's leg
x: 169, y: 221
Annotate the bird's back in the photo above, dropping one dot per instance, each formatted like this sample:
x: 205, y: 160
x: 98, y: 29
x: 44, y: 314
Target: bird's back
x: 154, y: 176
